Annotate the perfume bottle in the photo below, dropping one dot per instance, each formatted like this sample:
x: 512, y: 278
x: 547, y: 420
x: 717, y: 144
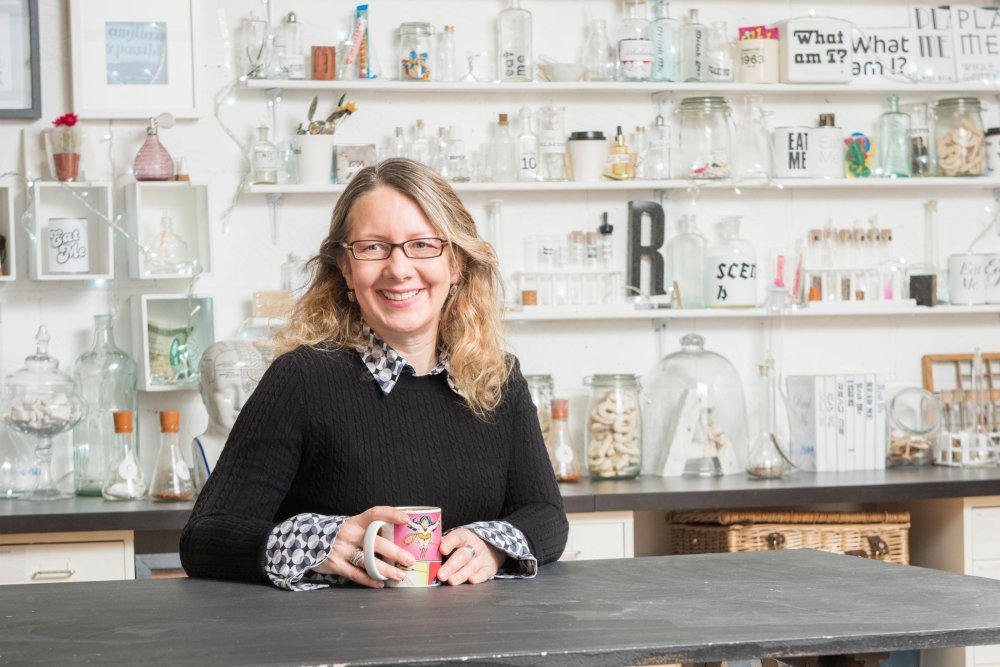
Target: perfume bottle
x: 503, y: 153
x: 124, y: 480
x: 171, y: 476
x: 263, y: 159
x: 693, y: 38
x: 665, y: 33
x: 153, y: 162
x: 686, y: 265
x: 619, y: 163
x: 635, y: 48
x: 893, y: 155
x: 168, y: 253
x: 597, y: 56
x: 719, y: 58
x: 514, y: 44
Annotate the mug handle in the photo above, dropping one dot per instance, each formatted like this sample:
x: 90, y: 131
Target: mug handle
x: 369, y: 549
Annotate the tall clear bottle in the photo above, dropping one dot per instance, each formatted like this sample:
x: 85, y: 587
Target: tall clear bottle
x: 686, y: 265
x: 446, y: 67
x: 694, y: 36
x: 263, y: 159
x: 457, y: 161
x: 503, y: 153
x: 527, y: 148
x: 293, y: 59
x: 515, y: 61
x: 635, y: 48
x: 597, y: 56
x: 893, y: 154
x: 124, y: 479
x: 171, y: 476
x: 720, y: 61
x: 106, y: 377
x: 665, y: 34
x: 420, y: 148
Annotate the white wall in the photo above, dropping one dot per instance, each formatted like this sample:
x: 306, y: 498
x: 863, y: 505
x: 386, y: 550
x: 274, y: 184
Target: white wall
x: 245, y: 258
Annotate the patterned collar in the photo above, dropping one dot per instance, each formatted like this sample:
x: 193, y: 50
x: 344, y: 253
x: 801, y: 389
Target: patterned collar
x: 386, y: 365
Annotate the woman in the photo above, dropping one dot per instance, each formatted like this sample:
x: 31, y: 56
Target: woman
x: 392, y: 389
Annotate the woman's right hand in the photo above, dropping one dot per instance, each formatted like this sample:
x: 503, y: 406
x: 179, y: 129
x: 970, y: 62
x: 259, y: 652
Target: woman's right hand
x: 350, y: 542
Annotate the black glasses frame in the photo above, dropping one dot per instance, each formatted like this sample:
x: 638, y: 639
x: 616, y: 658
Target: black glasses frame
x: 404, y: 246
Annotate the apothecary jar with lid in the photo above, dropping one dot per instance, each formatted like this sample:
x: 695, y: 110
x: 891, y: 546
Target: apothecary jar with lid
x: 415, y: 52
x: 705, y: 138
x: 613, y: 436
x: 959, y: 137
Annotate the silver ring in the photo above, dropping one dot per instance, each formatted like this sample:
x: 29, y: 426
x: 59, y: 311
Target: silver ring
x: 357, y: 558
x: 470, y: 548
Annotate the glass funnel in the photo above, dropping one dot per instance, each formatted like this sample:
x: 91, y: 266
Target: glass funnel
x: 41, y: 401
x: 697, y: 421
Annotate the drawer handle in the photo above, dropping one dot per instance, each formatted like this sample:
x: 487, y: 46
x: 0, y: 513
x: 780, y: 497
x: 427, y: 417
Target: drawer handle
x: 53, y: 574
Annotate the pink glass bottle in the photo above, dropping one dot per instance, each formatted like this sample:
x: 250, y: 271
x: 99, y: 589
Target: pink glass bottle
x: 153, y: 162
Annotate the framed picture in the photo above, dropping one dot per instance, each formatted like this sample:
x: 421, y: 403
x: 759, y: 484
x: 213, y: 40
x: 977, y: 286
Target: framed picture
x: 20, y: 91
x: 133, y: 58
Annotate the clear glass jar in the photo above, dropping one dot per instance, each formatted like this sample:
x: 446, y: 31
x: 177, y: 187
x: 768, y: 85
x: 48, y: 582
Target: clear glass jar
x: 106, y: 376
x: 696, y: 424
x: 415, y: 51
x: 914, y: 426
x: 959, y: 137
x: 541, y: 389
x: 613, y: 440
x: 705, y: 138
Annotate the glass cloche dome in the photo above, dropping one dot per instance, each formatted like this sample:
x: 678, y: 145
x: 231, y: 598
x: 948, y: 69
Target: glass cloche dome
x: 696, y: 422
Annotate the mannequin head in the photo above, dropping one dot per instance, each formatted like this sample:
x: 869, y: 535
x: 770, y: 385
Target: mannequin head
x: 230, y: 371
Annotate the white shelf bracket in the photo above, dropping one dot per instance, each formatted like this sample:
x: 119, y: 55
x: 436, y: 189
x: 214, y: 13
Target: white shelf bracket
x: 274, y: 208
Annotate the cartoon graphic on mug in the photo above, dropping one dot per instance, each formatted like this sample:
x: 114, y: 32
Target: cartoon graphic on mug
x: 420, y: 535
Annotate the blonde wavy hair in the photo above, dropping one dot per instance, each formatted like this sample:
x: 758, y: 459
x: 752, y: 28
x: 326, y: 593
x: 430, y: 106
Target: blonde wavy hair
x: 470, y: 329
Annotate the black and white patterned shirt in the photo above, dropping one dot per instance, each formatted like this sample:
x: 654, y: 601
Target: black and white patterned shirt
x: 304, y: 541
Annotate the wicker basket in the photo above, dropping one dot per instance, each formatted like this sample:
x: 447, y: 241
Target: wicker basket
x: 878, y: 535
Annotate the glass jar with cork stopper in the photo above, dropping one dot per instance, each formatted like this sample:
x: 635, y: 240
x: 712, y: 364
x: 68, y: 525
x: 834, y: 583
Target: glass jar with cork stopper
x: 171, y: 476
x: 566, y: 458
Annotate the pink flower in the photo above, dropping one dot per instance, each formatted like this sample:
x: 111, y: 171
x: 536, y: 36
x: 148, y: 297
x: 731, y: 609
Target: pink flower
x: 67, y: 119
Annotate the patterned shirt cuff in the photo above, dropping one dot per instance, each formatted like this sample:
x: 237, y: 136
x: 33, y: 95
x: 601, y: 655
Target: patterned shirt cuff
x: 510, y: 540
x: 297, y: 545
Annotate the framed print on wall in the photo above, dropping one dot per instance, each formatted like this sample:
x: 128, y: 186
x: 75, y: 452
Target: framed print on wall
x: 133, y: 58
x: 20, y: 91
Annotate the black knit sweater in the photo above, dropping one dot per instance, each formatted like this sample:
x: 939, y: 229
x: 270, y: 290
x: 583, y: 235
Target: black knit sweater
x: 318, y: 435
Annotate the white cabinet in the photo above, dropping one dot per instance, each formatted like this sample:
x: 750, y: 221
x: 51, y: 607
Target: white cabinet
x: 958, y: 535
x: 40, y: 558
x: 598, y: 535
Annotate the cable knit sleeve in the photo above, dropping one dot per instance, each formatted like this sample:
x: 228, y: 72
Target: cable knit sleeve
x: 533, y: 503
x: 227, y: 534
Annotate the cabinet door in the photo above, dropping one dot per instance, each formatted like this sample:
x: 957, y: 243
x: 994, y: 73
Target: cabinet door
x: 63, y: 561
x: 985, y: 533
x: 600, y: 535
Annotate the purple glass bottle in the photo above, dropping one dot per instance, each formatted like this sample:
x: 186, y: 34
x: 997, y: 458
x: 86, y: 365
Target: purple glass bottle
x: 153, y: 162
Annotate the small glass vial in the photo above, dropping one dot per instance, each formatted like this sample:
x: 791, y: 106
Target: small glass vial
x: 959, y: 138
x: 619, y: 163
x: 153, y: 162
x: 514, y: 44
x: 605, y: 244
x: 893, y: 156
x: 552, y: 143
x: 456, y: 160
x: 614, y: 427
x: 503, y: 153
x: 541, y: 387
x: 420, y: 148
x: 415, y: 51
x: 263, y: 159
x: 656, y: 166
x: 124, y: 480
x: 171, y: 476
x: 566, y: 459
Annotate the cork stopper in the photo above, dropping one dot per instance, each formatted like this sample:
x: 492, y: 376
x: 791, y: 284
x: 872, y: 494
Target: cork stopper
x: 123, y: 421
x: 827, y: 120
x: 816, y: 235
x: 886, y: 234
x: 170, y: 421
x: 560, y: 408
x: 503, y: 119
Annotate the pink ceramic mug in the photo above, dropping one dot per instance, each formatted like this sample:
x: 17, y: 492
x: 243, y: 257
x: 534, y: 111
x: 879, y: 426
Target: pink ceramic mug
x: 421, y: 536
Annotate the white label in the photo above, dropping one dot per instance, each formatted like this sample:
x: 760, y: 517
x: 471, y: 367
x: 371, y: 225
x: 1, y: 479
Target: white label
x: 636, y: 58
x: 732, y: 280
x: 296, y: 65
x: 564, y: 454
x: 127, y: 469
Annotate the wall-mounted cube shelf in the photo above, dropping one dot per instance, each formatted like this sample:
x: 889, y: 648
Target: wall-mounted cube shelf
x: 65, y: 250
x: 170, y: 331
x: 187, y: 206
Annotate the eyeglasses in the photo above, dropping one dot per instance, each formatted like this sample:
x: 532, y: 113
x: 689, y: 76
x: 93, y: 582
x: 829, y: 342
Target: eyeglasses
x: 369, y: 251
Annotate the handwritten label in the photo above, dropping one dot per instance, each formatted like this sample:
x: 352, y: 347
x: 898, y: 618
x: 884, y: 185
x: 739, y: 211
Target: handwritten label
x: 733, y: 281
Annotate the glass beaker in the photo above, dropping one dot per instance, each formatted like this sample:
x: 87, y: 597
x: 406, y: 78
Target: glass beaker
x: 613, y: 439
x: 914, y: 426
x: 705, y: 138
x: 752, y: 151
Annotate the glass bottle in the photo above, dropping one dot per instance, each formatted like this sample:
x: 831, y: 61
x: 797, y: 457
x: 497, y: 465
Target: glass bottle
x: 893, y: 156
x: 420, y: 148
x: 527, y: 148
x: 638, y: 148
x: 731, y: 268
x: 605, y: 244
x: 597, y: 57
x: 567, y: 459
x: 293, y: 60
x: 752, y: 148
x: 613, y: 440
x: 665, y: 33
x: 552, y: 143
x: 693, y: 38
x: 635, y: 48
x: 168, y: 253
x: 959, y: 138
x: 503, y: 153
x: 439, y: 162
x: 456, y: 159
x: 705, y: 141
x: 656, y: 166
x: 767, y: 460
x: 263, y: 159
x: 153, y: 162
x: 514, y: 44
x: 124, y: 479
x: 415, y: 51
x: 719, y: 57
x: 541, y: 388
x: 827, y: 152
x: 920, y: 142
x: 255, y: 46
x: 41, y: 401
x: 686, y: 265
x: 106, y: 376
x: 171, y: 475
x: 397, y: 146
x: 618, y: 159
x: 446, y: 69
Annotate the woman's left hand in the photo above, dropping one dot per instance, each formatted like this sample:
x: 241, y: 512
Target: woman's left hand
x: 470, y: 559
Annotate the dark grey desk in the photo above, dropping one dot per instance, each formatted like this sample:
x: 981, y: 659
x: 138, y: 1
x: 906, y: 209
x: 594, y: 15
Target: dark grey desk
x: 645, y: 610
